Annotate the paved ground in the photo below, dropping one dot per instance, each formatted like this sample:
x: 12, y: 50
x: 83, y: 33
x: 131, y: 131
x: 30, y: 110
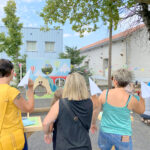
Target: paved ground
x: 141, y: 135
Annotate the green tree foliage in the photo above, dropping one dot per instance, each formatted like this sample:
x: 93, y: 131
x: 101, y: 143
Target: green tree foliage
x: 83, y: 14
x: 73, y: 54
x: 84, y: 70
x: 143, y: 1
x: 11, y: 44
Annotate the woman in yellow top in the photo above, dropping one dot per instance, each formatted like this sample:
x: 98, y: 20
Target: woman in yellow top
x: 11, y: 105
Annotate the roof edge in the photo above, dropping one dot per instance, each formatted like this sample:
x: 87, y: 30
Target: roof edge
x: 33, y: 28
x: 115, y: 37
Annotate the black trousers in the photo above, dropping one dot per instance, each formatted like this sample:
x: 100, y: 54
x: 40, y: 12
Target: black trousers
x: 26, y: 143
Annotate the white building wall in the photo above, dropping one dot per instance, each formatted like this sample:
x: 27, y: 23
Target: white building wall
x: 97, y: 55
x: 93, y: 57
x: 132, y: 51
x: 139, y: 55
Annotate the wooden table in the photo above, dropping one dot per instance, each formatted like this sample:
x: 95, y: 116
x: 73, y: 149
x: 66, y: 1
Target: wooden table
x: 29, y: 130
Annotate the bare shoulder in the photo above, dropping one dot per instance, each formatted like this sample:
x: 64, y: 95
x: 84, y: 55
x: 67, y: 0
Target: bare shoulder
x: 102, y: 96
x: 133, y: 102
x: 103, y: 93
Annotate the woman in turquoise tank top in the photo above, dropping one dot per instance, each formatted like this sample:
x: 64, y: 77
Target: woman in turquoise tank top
x: 115, y: 126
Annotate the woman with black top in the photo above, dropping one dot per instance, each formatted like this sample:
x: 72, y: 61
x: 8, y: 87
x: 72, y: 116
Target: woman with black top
x: 71, y: 117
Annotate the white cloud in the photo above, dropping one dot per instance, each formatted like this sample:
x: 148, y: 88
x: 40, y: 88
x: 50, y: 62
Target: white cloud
x: 84, y: 34
x: 87, y: 26
x: 75, y: 34
x: 27, y: 24
x: 30, y: 25
x: 67, y: 35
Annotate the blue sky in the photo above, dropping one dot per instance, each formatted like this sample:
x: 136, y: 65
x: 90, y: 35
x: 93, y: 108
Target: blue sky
x: 28, y: 11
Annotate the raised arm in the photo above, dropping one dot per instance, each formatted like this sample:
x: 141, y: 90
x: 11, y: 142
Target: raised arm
x: 97, y: 105
x: 138, y: 106
x: 48, y: 122
x: 51, y: 117
x: 26, y: 105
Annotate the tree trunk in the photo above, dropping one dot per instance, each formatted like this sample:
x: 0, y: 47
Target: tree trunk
x: 145, y: 14
x: 143, y: 1
x: 110, y: 52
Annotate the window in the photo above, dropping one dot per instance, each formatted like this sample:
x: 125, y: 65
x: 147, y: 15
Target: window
x: 31, y: 46
x: 86, y: 63
x: 105, y: 63
x: 49, y: 46
x: 60, y: 82
x: 105, y: 66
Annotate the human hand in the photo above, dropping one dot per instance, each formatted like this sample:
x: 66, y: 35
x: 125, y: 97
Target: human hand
x: 130, y: 88
x: 47, y: 138
x: 30, y: 84
x: 140, y: 93
x: 93, y: 128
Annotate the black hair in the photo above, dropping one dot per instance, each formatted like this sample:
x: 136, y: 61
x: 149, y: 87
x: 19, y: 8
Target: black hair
x: 6, y: 67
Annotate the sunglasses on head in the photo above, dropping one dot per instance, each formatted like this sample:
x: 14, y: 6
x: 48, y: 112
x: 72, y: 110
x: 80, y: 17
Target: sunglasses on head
x: 112, y: 77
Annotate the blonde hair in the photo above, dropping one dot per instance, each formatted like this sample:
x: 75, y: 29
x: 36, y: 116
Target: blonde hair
x: 75, y: 87
x: 57, y: 96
